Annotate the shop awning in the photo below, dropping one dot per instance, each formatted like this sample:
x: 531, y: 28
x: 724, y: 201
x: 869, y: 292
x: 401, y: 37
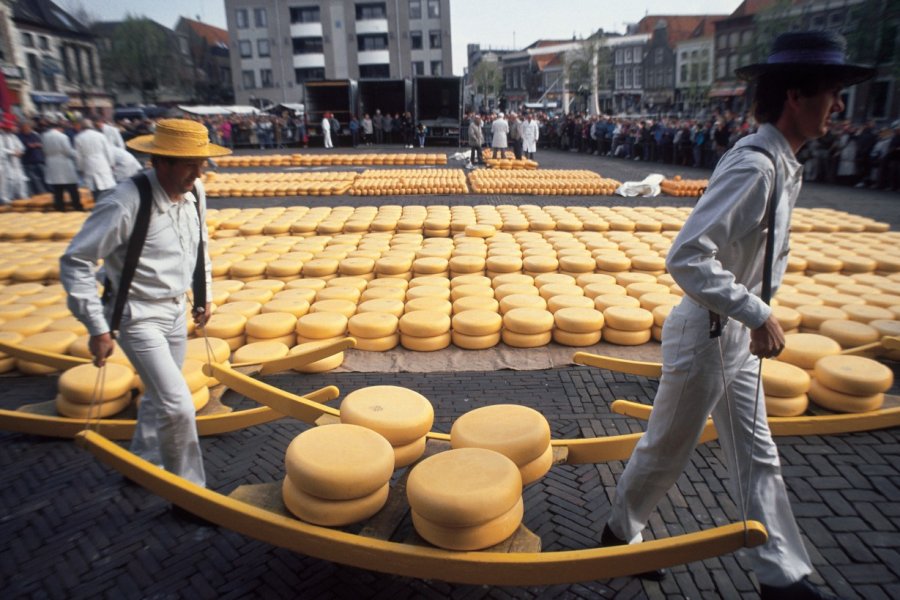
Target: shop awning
x: 49, y: 98
x: 728, y: 89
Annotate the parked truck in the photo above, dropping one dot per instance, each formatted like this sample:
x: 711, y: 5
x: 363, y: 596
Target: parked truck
x: 390, y: 96
x: 337, y: 96
x: 437, y: 103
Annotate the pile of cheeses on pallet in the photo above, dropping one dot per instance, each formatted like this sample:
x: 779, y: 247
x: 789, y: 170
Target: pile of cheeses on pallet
x: 44, y: 202
x: 318, y: 160
x: 249, y: 185
x: 466, y: 498
x: 541, y: 182
x: 395, y: 182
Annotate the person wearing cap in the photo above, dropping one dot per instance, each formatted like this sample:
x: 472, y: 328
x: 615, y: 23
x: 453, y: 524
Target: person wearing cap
x: 153, y: 327
x: 713, y: 341
x: 59, y: 167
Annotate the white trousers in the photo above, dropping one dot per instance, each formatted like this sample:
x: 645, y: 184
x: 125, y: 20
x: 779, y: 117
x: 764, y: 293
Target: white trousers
x: 153, y: 336
x: 690, y: 389
x: 327, y: 134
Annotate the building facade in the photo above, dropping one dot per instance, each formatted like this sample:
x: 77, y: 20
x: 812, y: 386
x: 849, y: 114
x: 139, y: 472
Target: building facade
x: 276, y: 47
x: 211, y: 61
x: 693, y: 74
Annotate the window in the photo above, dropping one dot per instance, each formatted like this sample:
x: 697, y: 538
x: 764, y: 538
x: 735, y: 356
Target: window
x: 835, y: 20
x: 722, y: 41
x: 241, y: 19
x: 374, y: 71
x: 437, y: 67
x: 745, y: 59
x: 434, y: 39
x: 658, y: 56
x: 305, y: 14
x: 684, y: 73
x: 248, y: 78
x: 310, y: 45
x: 722, y: 67
x: 376, y: 41
x: 618, y: 57
x: 628, y: 78
x: 704, y: 53
x: 90, y: 61
x: 732, y: 64
x: 695, y: 69
x: 434, y: 9
x: 246, y: 48
x: 818, y: 22
x: 301, y: 75
x: 43, y: 42
x: 265, y: 78
x: 224, y: 74
x: 370, y: 11
x: 262, y: 47
x: 415, y: 9
x: 704, y: 73
x: 637, y: 77
x: 27, y: 40
x: 733, y: 39
x: 34, y: 71
x: 418, y: 67
x: 64, y: 60
x: 619, y: 75
x: 415, y: 40
x: 259, y: 17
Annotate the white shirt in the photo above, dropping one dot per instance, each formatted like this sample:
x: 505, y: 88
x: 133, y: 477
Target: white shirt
x: 126, y: 164
x: 166, y: 267
x: 717, y: 258
x: 59, y: 158
x: 112, y: 135
x: 94, y: 158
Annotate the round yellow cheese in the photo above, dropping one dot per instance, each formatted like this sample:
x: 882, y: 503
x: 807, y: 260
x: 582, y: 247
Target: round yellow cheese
x: 476, y: 537
x: 331, y: 513
x: 812, y: 316
x: 578, y: 320
x: 425, y: 344
x: 512, y: 279
x: 474, y: 342
x: 320, y: 267
x: 528, y: 321
x: 534, y: 470
x: 226, y: 325
x: 80, y: 383
x: 247, y: 308
x: 320, y: 366
x: 383, y: 305
x: 409, y: 453
x: 399, y: 414
x: 555, y: 303
x: 518, y: 432
x: 864, y: 313
x: 372, y: 325
x: 322, y: 325
x: 527, y: 301
x: 260, y: 295
x: 886, y: 327
x: 464, y: 487
x: 200, y: 398
x: 606, y: 301
x: 424, y: 324
x: 294, y: 306
x: 804, y: 349
x: 192, y: 370
x: 197, y: 349
x: 854, y: 375
x: 475, y: 303
x: 794, y: 406
x: 526, y: 340
x: 28, y: 326
x: 339, y: 462
x: 843, y: 403
x: 783, y: 379
x: 477, y: 322
x: 259, y: 352
x: 567, y: 338
x: 626, y: 338
x: 98, y: 410
x: 49, y: 341
x: 627, y: 318
x: 346, y: 308
x: 338, y: 293
x: 379, y: 344
x: 849, y: 334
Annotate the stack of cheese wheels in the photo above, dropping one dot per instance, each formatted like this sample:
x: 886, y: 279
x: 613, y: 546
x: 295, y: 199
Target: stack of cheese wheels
x: 660, y: 314
x: 627, y: 325
x: 465, y: 499
x: 401, y: 415
x: 337, y: 474
x: 49, y: 341
x: 8, y: 363
x: 229, y: 326
x: 527, y: 327
x: 206, y: 350
x: 785, y: 387
x: 260, y: 352
x: 788, y: 318
x: 844, y: 383
x: 476, y: 329
x: 520, y: 433
x: 318, y: 328
x: 577, y: 326
x: 272, y: 327
x: 804, y: 349
x: 374, y: 331
x: 196, y: 380
x: 80, y: 396
x: 425, y: 330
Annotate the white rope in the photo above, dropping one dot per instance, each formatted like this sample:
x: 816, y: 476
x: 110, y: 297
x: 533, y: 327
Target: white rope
x: 96, y: 399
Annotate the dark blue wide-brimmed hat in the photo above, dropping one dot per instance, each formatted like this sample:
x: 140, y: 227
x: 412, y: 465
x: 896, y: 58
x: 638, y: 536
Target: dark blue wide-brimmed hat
x: 822, y: 53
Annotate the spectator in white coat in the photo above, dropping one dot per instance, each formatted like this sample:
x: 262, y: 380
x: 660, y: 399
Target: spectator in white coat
x: 13, y: 183
x: 530, y: 136
x: 499, y: 131
x: 59, y: 167
x: 110, y: 132
x: 326, y: 130
x: 94, y: 159
x: 125, y: 165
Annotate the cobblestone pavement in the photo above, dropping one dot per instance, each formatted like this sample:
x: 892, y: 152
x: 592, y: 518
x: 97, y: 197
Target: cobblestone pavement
x: 72, y: 528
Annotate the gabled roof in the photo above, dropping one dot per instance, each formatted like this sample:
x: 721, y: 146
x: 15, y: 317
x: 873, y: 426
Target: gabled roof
x: 214, y: 36
x: 681, y: 27
x: 44, y: 14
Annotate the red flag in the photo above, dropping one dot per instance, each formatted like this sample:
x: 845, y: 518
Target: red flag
x: 5, y: 96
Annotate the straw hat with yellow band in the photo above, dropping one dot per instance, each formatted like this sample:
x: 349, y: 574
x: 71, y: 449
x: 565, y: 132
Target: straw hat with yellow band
x: 178, y: 138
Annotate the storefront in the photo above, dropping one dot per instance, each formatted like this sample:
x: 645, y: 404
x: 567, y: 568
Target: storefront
x: 48, y: 102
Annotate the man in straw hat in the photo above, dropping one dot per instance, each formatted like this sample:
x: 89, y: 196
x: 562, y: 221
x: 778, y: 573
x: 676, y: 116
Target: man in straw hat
x: 151, y: 320
x: 713, y: 341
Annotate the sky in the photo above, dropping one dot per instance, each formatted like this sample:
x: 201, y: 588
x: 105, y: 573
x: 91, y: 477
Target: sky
x: 502, y: 24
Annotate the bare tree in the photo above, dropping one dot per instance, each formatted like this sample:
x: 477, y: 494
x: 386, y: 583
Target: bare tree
x: 487, y: 77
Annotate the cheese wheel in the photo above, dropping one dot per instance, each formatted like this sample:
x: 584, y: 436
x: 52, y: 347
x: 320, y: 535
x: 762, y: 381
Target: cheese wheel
x: 49, y: 341
x: 382, y: 305
x: 294, y: 306
x: 567, y: 338
x: 425, y: 344
x: 812, y: 316
x: 260, y: 295
x: 527, y: 301
x: 787, y: 317
x: 510, y: 289
x: 534, y: 470
x: 849, y: 334
x: 429, y: 303
x: 12, y: 337
x: 200, y: 398
x: 886, y: 327
x: 78, y: 384
x: 854, y: 375
x: 322, y: 325
x: 424, y: 324
x: 804, y: 349
x: 475, y: 342
x: 69, y: 323
x: 372, y: 325
x: 338, y: 293
x: 525, y: 340
x: 464, y: 487
x: 864, y: 313
x: 14, y: 311
x: 578, y: 320
x: 504, y: 264
x: 427, y: 291
x: 226, y: 325
x: 401, y: 415
x: 320, y: 267
x: 247, y: 308
x: 475, y: 303
x: 259, y: 352
x: 518, y: 432
x: 380, y: 293
x: 627, y: 318
x: 606, y: 301
x: 512, y: 279
x: 192, y: 370
x: 99, y: 410
x: 604, y: 289
x: 30, y: 326
x: 472, y: 538
x: 409, y: 453
x: 838, y: 300
x: 346, y: 308
x: 466, y: 264
x: 236, y: 342
x: 319, y: 366
x: 783, y: 379
x: 843, y: 403
x: 339, y: 461
x: 528, y: 321
x: 477, y: 322
x: 656, y: 333
x: 638, y: 289
x: 626, y: 338
x: 469, y: 280
x: 796, y: 300
x: 463, y: 291
x: 661, y: 313
x: 794, y: 406
x: 379, y: 344
x: 331, y: 513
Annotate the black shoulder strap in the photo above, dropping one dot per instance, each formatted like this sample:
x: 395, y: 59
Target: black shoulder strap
x: 199, y: 282
x: 135, y: 246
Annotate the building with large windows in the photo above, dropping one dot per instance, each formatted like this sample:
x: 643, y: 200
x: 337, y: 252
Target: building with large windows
x: 276, y: 46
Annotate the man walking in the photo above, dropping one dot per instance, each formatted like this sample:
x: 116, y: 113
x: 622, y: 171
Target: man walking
x: 94, y: 158
x: 59, y: 171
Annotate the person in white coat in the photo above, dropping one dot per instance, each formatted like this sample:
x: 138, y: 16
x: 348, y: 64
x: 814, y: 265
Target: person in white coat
x: 59, y: 167
x: 326, y: 130
x: 110, y: 132
x: 499, y: 131
x: 713, y: 341
x: 14, y: 182
x: 530, y: 136
x: 94, y: 158
x: 125, y: 165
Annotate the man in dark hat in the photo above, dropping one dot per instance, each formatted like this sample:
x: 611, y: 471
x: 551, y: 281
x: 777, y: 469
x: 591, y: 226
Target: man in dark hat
x: 713, y: 341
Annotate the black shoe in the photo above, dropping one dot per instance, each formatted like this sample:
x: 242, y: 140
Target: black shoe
x: 608, y: 538
x: 185, y: 515
x: 799, y: 590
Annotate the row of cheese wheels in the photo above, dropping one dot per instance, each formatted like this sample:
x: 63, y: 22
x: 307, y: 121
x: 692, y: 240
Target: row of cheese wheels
x: 409, y: 181
x: 811, y: 368
x: 277, y: 184
x: 545, y: 182
x: 316, y: 160
x: 44, y: 202
x: 683, y: 187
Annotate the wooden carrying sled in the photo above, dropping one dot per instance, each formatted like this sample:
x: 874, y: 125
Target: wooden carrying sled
x: 215, y: 418
x: 818, y: 421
